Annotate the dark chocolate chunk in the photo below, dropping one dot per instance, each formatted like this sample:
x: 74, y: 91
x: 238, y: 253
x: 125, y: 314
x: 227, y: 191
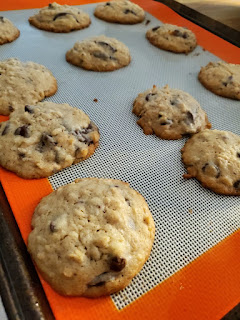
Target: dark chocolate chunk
x: 159, y: 116
x: 238, y: 154
x: 155, y: 28
x: 148, y: 96
x: 229, y: 80
x: 237, y: 184
x: 22, y: 131
x: 52, y: 227
x: 1, y: 19
x: 6, y: 129
x: 129, y: 11
x: 10, y: 108
x: 29, y: 109
x: 107, y: 4
x: 21, y: 155
x: 178, y: 33
x: 106, y: 45
x: 189, y: 117
x: 117, y: 264
x: 62, y: 14
x: 45, y: 141
x: 100, y: 55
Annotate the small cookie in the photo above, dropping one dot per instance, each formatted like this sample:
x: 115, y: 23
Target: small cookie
x: 8, y: 31
x: 172, y: 38
x: 99, y: 54
x: 221, y: 78
x: 91, y: 237
x: 40, y: 140
x: 169, y: 113
x: 23, y: 83
x: 213, y: 158
x: 120, y: 11
x: 60, y: 18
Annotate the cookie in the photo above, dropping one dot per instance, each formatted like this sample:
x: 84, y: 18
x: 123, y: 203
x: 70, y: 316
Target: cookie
x: 8, y: 31
x: 169, y: 113
x: 99, y: 54
x: 23, y: 83
x: 213, y: 158
x: 172, y: 38
x: 91, y: 237
x: 60, y: 18
x: 120, y: 11
x: 40, y: 140
x: 221, y: 78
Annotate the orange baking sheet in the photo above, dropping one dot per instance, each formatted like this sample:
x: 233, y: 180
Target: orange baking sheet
x: 185, y: 295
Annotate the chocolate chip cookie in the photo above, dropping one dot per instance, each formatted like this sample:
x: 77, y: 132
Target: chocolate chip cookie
x: 99, y: 54
x: 40, y: 140
x: 120, y: 11
x: 8, y: 31
x: 169, y: 113
x: 172, y: 38
x: 23, y: 83
x: 221, y: 78
x: 91, y: 237
x: 213, y: 158
x: 60, y: 18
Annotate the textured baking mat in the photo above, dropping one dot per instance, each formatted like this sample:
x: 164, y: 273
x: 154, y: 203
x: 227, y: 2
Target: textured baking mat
x: 189, y: 219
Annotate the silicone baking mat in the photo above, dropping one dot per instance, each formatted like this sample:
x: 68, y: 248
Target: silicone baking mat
x: 193, y: 270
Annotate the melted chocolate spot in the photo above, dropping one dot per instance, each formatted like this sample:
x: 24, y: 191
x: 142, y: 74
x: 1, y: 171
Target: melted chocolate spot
x: 52, y: 227
x: 46, y: 141
x: 159, y: 116
x: 6, y: 129
x: 10, y: 108
x: 215, y: 166
x: 155, y: 28
x: 238, y: 154
x: 166, y: 122
x: 129, y: 11
x: 100, y: 55
x: 22, y: 131
x: 229, y: 80
x: 117, y: 264
x: 21, y: 155
x: 106, y: 45
x: 29, y: 109
x: 237, y: 184
x: 178, y: 33
x: 189, y: 117
x: 62, y: 14
x: 107, y: 4
x: 148, y: 96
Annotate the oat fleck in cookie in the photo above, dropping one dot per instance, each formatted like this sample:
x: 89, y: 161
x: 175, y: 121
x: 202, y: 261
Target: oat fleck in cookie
x: 172, y: 38
x: 221, y: 78
x: 213, y: 158
x: 99, y: 53
x: 40, y: 140
x: 91, y: 237
x: 169, y: 113
x: 120, y: 11
x: 60, y: 18
x: 8, y: 31
x: 23, y: 83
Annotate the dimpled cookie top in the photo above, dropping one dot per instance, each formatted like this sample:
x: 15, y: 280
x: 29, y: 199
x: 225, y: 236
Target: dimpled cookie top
x: 8, y: 32
x: 120, y: 11
x: 23, y: 83
x: 40, y: 140
x: 91, y: 237
x: 169, y: 113
x: 60, y: 18
x: 221, y: 78
x: 172, y: 38
x: 213, y: 157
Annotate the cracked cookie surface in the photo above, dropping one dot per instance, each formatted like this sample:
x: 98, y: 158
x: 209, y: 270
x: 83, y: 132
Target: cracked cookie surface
x: 91, y: 237
x: 8, y: 31
x: 172, y: 38
x: 99, y: 53
x: 213, y: 158
x: 40, y: 140
x: 23, y: 83
x: 169, y: 113
x: 60, y: 18
x: 120, y: 11
x: 221, y: 78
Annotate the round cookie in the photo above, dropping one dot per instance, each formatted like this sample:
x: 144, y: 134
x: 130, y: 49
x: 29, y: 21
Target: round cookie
x: 8, y: 32
x: 172, y: 38
x: 169, y: 113
x: 221, y: 78
x: 60, y: 18
x: 40, y: 140
x: 91, y: 237
x: 23, y: 83
x: 120, y: 11
x: 213, y: 158
x: 99, y: 54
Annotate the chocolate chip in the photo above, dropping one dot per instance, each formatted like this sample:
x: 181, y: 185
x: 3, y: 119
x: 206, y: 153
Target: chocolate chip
x: 46, y: 140
x: 50, y: 6
x: 166, y: 122
x: 106, y: 45
x: 215, y: 167
x: 21, y: 155
x: 100, y: 55
x: 159, y: 116
x: 81, y: 135
x: 148, y: 96
x: 101, y: 283
x: 6, y: 129
x: 128, y: 202
x: 107, y: 4
x: 1, y: 19
x: 117, y: 264
x: 62, y: 14
x: 178, y: 33
x: 10, y: 108
x: 129, y: 11
x: 238, y: 154
x: 52, y: 227
x: 29, y: 109
x: 22, y: 131
x: 229, y: 80
x: 155, y: 28
x: 189, y: 117
x: 237, y: 184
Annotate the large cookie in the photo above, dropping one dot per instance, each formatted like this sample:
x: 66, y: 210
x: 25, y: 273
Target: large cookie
x: 40, y: 140
x: 221, y: 78
x: 91, y: 237
x: 23, y: 83
x: 99, y: 54
x: 8, y: 31
x: 213, y: 158
x: 172, y: 38
x: 120, y: 11
x: 60, y: 18
x: 169, y: 113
